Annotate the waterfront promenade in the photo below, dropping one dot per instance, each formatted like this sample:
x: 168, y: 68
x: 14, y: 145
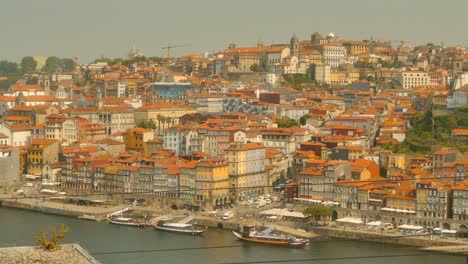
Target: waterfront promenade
x: 244, y: 216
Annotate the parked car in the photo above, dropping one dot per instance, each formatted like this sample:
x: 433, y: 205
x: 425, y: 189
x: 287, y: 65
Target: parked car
x: 249, y: 202
x: 28, y: 184
x: 268, y: 201
x: 228, y: 215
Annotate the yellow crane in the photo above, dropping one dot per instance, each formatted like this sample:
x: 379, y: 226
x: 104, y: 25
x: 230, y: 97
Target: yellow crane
x: 169, y: 47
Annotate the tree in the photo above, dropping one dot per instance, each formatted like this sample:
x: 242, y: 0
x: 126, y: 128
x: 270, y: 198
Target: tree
x: 67, y: 64
x: 52, y: 243
x: 287, y: 122
x: 316, y: 212
x: 28, y: 64
x: 52, y: 65
x: 7, y: 67
x: 303, y: 119
x: 254, y: 67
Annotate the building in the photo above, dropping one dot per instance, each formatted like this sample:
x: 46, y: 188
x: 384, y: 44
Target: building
x: 17, y: 134
x: 162, y: 114
x: 460, y: 201
x: 212, y: 182
x: 441, y: 159
x: 135, y: 138
x: 178, y: 138
x: 280, y: 138
x: 410, y: 79
x: 246, y: 169
x: 311, y: 184
x: 320, y: 72
x: 40, y: 153
x: 333, y: 54
x: 10, y: 164
x: 167, y: 91
x: 434, y: 199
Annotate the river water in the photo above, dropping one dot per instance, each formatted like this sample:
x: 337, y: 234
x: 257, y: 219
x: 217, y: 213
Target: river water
x: 19, y: 228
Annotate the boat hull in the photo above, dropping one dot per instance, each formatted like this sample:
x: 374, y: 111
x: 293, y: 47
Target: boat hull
x: 180, y: 231
x: 126, y: 224
x: 270, y: 242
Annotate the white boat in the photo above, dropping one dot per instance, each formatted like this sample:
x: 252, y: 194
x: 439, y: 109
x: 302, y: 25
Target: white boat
x: 179, y: 228
x: 48, y: 183
x: 32, y: 177
x: 125, y: 221
x: 47, y: 191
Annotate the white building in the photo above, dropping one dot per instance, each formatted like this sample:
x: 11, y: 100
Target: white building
x: 321, y: 73
x: 333, y: 54
x: 410, y: 79
x: 121, y: 89
x: 18, y: 134
x: 460, y: 81
x: 271, y: 78
x: 459, y: 98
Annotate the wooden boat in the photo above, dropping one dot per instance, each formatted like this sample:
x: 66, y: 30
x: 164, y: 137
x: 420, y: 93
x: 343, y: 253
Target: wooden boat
x: 267, y: 237
x: 179, y: 228
x: 125, y: 221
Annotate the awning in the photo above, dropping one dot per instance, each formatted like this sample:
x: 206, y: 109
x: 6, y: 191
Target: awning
x: 350, y: 220
x: 410, y: 227
x: 375, y: 223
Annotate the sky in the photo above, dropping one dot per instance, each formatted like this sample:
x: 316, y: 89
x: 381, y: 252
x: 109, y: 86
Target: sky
x: 89, y: 29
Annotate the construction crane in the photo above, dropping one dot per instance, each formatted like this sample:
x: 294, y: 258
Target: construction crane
x: 169, y: 47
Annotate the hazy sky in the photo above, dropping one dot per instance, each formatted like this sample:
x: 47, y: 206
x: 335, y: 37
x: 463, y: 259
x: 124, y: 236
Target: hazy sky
x: 90, y: 28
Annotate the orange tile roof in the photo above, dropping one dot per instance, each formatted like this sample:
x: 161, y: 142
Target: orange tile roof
x: 460, y: 132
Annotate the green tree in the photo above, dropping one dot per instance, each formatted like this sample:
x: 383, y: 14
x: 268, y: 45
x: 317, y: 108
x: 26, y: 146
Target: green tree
x: 316, y: 212
x: 67, y: 64
x: 28, y: 64
x: 287, y: 122
x: 7, y: 67
x: 303, y: 119
x: 52, y: 64
x: 254, y: 67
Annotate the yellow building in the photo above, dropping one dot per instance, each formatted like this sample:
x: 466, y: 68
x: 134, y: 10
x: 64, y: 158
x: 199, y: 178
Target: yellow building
x: 162, y: 114
x: 354, y: 47
x: 136, y: 138
x: 246, y: 169
x: 212, y: 182
x: 338, y: 77
x: 401, y: 202
x: 42, y: 152
x: 352, y: 77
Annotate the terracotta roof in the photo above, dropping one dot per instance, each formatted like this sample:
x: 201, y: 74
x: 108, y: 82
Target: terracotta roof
x: 460, y: 132
x: 26, y: 87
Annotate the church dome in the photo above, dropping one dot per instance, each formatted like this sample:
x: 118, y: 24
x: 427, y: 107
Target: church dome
x: 331, y: 35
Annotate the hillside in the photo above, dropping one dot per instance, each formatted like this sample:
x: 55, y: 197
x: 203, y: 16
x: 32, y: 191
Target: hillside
x: 421, y: 138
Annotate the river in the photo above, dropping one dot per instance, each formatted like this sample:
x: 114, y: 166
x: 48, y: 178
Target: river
x: 19, y: 228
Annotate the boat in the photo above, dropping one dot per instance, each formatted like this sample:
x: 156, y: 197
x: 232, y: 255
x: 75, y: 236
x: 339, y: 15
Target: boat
x: 178, y: 228
x: 125, y: 221
x: 89, y: 217
x: 249, y: 234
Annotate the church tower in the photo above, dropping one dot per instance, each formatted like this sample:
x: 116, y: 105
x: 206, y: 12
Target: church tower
x: 294, y: 45
x: 20, y: 100
x: 260, y: 43
x: 457, y: 64
x: 98, y: 102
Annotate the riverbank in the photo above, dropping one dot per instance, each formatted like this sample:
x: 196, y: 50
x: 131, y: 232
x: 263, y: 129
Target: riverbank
x: 59, y: 208
x: 295, y: 229
x: 386, y: 238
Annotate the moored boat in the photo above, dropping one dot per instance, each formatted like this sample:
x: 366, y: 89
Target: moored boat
x: 125, y: 221
x: 179, y: 228
x: 249, y: 234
